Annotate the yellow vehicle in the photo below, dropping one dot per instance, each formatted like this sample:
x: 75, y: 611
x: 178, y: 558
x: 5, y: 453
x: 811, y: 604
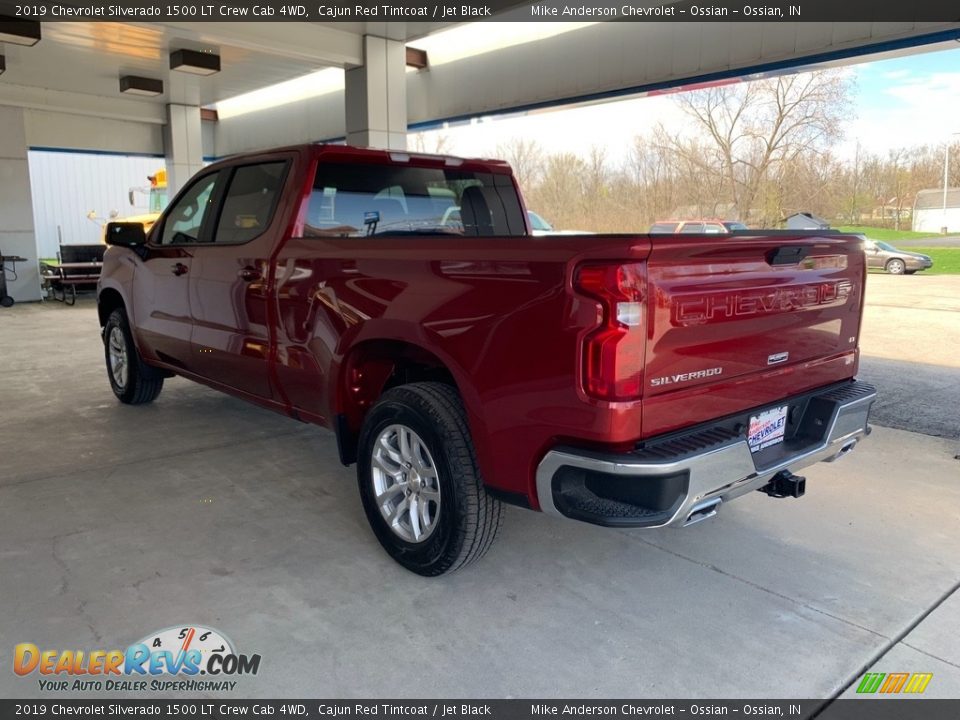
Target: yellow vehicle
x: 157, y: 201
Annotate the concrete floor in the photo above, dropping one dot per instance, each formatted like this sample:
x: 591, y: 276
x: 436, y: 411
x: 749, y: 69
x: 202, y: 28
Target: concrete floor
x: 117, y: 521
x: 911, y: 351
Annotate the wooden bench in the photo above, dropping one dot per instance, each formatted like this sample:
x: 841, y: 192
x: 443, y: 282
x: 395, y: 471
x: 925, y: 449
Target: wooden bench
x: 77, y: 266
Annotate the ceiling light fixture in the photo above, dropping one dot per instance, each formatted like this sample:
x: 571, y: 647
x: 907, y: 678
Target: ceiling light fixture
x: 147, y: 87
x: 197, y: 63
x: 19, y: 32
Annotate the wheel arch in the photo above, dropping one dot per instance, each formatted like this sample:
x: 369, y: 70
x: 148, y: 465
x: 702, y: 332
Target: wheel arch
x: 372, y: 367
x: 109, y: 300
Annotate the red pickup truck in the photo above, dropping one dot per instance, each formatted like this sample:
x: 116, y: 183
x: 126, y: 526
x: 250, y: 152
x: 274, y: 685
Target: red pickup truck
x: 402, y: 301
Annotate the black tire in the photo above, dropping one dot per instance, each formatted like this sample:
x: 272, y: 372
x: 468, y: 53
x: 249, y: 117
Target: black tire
x: 6, y: 301
x: 142, y: 384
x: 467, y: 518
x: 896, y: 266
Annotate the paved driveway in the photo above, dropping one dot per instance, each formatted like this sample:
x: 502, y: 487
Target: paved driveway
x: 117, y: 521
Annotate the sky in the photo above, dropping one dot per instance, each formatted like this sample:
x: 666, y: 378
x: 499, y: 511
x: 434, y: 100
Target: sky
x: 908, y: 101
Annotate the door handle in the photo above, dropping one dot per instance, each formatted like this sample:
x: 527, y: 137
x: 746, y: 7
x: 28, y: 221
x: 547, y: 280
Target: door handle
x: 178, y: 269
x: 249, y: 274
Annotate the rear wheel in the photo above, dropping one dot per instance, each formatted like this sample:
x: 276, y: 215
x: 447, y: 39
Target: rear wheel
x: 419, y: 481
x: 131, y: 380
x: 896, y: 266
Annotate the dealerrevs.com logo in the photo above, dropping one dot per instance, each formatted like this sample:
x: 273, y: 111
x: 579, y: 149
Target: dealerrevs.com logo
x: 173, y: 659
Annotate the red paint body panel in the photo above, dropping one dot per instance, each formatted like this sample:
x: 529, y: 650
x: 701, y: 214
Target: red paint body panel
x: 501, y: 315
x: 717, y: 303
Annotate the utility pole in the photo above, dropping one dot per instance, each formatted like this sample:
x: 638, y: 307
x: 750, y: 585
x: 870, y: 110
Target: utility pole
x: 946, y: 177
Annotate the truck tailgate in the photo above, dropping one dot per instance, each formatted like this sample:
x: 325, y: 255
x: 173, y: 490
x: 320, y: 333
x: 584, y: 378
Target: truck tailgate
x: 737, y: 322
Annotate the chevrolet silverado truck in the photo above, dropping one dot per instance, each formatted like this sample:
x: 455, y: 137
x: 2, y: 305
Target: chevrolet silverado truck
x: 402, y: 301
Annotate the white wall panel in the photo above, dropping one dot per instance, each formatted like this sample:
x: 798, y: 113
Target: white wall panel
x: 933, y: 220
x: 298, y: 122
x: 208, y: 133
x: 66, y: 186
x: 79, y: 132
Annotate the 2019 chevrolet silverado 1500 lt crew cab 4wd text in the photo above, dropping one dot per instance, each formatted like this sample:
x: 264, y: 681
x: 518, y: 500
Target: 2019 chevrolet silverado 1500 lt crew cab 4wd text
x: 462, y: 362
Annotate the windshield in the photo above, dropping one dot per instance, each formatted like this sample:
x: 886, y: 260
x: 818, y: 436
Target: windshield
x: 735, y: 226
x: 351, y: 200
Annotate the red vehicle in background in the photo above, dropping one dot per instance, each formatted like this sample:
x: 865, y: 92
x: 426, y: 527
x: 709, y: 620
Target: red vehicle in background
x: 697, y: 227
x: 402, y: 301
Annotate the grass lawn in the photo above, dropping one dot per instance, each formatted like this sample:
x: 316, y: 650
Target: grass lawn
x: 876, y: 233
x: 946, y: 261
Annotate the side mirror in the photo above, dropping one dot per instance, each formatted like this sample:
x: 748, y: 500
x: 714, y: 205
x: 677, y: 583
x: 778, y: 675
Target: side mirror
x: 126, y: 234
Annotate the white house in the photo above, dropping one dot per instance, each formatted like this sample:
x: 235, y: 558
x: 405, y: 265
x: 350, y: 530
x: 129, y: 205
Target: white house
x: 928, y: 211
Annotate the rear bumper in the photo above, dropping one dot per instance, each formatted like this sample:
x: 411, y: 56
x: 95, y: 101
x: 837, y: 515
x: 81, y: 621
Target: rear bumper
x: 684, y: 477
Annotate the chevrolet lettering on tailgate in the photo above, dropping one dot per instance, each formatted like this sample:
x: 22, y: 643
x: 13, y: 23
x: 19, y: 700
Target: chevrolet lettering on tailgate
x: 730, y: 305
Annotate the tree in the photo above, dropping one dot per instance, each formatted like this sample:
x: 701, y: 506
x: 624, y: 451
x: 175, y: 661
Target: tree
x: 526, y: 157
x: 433, y: 143
x: 750, y: 130
x: 559, y: 196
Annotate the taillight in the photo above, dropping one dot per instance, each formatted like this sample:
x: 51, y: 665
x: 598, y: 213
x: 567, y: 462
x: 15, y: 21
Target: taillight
x: 613, y: 353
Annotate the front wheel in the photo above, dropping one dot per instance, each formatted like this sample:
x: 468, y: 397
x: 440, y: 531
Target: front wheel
x: 419, y: 481
x: 131, y: 381
x: 896, y: 266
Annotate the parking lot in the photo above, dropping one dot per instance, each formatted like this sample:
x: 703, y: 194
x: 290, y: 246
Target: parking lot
x: 203, y: 509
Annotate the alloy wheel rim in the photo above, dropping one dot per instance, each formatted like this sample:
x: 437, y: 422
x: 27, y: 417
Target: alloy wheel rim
x: 117, y: 350
x: 406, y: 484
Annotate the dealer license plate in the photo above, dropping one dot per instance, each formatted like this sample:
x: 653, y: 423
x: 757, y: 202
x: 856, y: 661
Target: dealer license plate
x: 767, y: 428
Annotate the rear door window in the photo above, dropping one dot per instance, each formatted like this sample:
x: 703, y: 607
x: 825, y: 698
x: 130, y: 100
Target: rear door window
x: 250, y: 202
x: 357, y: 200
x: 691, y: 229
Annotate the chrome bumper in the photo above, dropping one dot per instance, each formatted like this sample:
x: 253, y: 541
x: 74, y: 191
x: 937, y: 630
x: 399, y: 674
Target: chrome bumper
x: 716, y: 472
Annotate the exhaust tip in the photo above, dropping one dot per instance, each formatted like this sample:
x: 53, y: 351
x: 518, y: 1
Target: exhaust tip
x: 703, y: 511
x: 842, y: 451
